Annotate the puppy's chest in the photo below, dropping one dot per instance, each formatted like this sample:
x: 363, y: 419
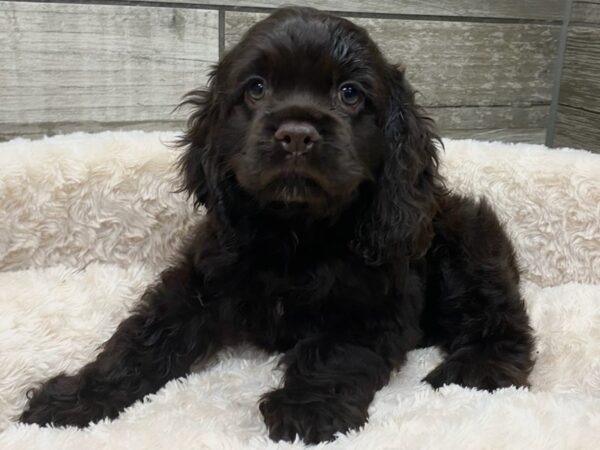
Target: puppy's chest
x: 321, y: 284
x: 289, y: 305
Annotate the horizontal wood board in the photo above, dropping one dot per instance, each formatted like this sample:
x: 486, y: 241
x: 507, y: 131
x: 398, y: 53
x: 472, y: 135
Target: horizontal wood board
x: 99, y: 64
x: 587, y: 11
x: 512, y: 9
x: 578, y: 118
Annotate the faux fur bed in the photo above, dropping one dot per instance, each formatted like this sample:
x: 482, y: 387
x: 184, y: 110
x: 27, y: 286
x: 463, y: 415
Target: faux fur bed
x: 86, y: 222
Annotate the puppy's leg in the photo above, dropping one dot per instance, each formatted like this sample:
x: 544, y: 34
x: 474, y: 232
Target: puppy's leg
x: 167, y: 332
x: 474, y: 311
x: 327, y: 388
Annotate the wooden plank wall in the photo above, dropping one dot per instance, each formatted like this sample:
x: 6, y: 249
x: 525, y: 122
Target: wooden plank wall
x: 578, y: 115
x: 485, y: 68
x: 67, y: 67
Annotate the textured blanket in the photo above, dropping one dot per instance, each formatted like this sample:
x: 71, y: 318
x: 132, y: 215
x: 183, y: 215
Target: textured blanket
x: 87, y: 221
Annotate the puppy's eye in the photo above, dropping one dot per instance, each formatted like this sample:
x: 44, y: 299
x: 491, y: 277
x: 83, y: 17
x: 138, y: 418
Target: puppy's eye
x: 256, y: 89
x: 349, y: 94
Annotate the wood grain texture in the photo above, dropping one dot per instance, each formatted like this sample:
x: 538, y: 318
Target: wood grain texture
x: 472, y: 63
x: 502, y: 123
x: 581, y: 71
x: 587, y: 11
x: 522, y: 9
x: 578, y: 118
x: 489, y: 117
x: 495, y: 123
x: 36, y: 130
x: 577, y: 128
x: 99, y: 65
x: 526, y: 135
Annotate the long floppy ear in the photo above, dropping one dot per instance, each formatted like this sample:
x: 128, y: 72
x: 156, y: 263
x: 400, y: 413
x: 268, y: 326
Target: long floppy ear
x: 198, y: 162
x: 398, y: 223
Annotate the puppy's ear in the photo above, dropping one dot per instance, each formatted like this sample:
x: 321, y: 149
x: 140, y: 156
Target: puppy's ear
x: 398, y: 222
x: 198, y: 162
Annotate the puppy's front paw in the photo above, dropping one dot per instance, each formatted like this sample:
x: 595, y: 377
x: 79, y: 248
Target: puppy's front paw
x: 312, y: 417
x: 59, y: 402
x: 484, y: 375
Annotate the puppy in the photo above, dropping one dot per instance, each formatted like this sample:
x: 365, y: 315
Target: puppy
x: 329, y: 237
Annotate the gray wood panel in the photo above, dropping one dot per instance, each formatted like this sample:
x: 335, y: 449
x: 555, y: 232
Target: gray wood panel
x: 581, y: 71
x: 523, y: 9
x: 577, y: 128
x: 502, y: 123
x: 489, y: 117
x: 586, y: 11
x: 526, y: 135
x: 475, y: 79
x: 578, y: 118
x: 35, y: 130
x: 472, y: 63
x: 98, y: 65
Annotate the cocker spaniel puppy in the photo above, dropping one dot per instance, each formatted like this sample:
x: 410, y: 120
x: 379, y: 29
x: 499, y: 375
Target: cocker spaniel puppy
x: 329, y: 237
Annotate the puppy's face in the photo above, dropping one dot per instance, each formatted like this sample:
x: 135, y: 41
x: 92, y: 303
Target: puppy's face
x: 301, y: 131
x: 303, y: 116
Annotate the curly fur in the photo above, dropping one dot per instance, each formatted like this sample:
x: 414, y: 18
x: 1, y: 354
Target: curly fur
x: 381, y: 260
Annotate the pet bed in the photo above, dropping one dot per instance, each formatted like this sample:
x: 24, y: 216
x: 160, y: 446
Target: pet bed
x: 88, y: 220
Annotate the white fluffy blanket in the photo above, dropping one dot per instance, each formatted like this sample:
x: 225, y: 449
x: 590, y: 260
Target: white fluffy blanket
x: 86, y: 221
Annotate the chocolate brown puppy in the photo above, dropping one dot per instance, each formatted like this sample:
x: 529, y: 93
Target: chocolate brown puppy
x: 329, y: 237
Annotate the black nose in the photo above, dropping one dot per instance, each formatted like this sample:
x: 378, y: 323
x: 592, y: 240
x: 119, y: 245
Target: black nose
x: 297, y: 138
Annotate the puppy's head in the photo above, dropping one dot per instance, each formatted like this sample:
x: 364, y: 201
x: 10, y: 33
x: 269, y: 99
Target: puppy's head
x: 304, y: 117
